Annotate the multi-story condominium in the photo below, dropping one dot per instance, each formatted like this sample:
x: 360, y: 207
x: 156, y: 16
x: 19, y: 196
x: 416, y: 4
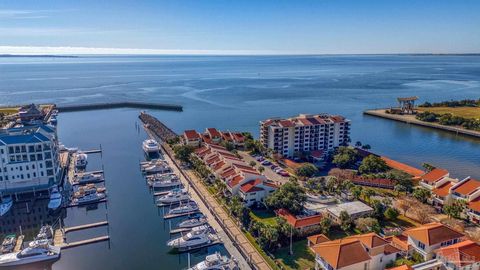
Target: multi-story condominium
x: 29, y: 159
x: 304, y: 133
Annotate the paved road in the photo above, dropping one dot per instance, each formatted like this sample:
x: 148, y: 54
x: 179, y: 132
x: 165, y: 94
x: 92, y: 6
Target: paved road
x: 241, y: 242
x: 269, y: 173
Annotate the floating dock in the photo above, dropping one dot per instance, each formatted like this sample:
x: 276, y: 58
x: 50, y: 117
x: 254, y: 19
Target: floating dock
x: 114, y: 105
x: 86, y: 204
x: 170, y: 216
x: 60, y: 239
x: 180, y: 230
x: 19, y: 243
x: 86, y: 226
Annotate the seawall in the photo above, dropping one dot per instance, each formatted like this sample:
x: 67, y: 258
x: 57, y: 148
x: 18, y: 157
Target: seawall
x: 114, y: 105
x: 410, y: 119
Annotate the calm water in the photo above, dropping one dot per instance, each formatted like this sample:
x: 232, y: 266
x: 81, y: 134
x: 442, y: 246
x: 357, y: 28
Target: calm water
x: 227, y: 93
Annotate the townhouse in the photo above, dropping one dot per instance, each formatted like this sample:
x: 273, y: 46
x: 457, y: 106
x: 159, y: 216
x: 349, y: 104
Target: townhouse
x: 365, y: 251
x: 303, y: 223
x: 213, y: 136
x: 240, y: 179
x: 460, y: 256
x: 304, y: 133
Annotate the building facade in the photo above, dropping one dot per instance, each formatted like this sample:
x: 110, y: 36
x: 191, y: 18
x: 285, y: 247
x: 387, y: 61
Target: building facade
x: 304, y: 133
x: 29, y: 159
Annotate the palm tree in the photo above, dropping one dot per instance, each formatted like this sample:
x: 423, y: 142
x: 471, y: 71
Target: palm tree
x: 358, y: 144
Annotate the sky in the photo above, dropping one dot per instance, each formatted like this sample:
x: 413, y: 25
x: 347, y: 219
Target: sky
x: 240, y: 27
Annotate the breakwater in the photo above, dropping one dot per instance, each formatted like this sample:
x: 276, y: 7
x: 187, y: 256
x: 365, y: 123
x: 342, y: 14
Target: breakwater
x: 114, y: 105
x: 410, y: 119
x: 157, y: 127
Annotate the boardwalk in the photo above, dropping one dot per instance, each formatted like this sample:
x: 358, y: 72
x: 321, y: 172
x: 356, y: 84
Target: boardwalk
x: 232, y: 230
x: 114, y: 105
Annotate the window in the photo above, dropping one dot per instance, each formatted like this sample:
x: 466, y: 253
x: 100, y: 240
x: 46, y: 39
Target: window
x: 421, y: 245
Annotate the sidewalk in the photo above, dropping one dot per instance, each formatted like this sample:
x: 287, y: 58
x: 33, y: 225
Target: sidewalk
x: 238, y: 239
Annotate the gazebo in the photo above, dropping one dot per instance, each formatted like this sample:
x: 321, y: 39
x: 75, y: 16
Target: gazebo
x: 407, y: 104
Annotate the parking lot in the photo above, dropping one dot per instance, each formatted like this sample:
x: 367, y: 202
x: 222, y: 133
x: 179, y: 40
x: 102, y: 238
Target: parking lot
x: 269, y: 173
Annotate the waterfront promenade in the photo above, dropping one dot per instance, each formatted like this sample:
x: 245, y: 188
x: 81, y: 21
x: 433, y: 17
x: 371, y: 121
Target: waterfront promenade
x: 410, y: 119
x: 236, y: 239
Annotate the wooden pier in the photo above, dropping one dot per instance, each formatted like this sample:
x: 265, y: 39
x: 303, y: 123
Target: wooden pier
x: 94, y: 151
x: 170, y: 216
x: 180, y: 230
x: 86, y: 226
x: 85, y: 242
x: 19, y: 243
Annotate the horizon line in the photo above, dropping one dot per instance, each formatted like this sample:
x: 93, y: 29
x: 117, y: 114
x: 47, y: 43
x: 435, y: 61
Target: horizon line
x: 85, y: 51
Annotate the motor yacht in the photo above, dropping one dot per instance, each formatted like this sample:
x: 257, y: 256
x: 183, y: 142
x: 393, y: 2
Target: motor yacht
x: 174, y: 196
x: 184, y: 208
x: 38, y: 253
x: 87, y: 189
x: 216, y: 262
x: 8, y: 243
x: 55, y: 199
x: 90, y: 198
x: 164, y: 181
x: 150, y: 147
x: 87, y: 178
x: 198, y: 236
x: 81, y: 160
x: 6, y: 205
x: 158, y: 167
x: 193, y: 222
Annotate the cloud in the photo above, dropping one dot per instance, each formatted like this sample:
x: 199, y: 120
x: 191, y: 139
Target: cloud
x: 24, y: 14
x: 33, y: 50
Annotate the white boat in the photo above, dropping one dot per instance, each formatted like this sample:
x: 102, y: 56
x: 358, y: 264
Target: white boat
x: 150, y: 146
x: 38, y: 253
x: 88, y: 178
x: 8, y: 243
x: 6, y: 205
x: 55, y: 199
x: 174, y: 196
x: 184, y: 208
x: 158, y: 167
x: 198, y: 236
x: 90, y: 198
x: 193, y: 222
x: 87, y: 189
x: 216, y: 262
x: 164, y: 181
x: 45, y: 232
x: 81, y: 160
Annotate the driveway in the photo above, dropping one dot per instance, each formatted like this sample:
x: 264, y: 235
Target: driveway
x: 269, y: 173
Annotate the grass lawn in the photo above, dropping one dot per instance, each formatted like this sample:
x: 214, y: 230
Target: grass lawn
x: 302, y: 258
x: 259, y: 249
x: 401, y: 221
x: 264, y: 216
x: 467, y: 112
x: 8, y: 111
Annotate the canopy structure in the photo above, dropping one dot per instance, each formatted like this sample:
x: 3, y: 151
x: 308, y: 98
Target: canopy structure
x: 407, y: 104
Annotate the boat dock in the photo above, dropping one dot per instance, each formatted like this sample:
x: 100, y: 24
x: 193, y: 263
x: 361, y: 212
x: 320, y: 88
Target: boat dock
x: 60, y: 235
x: 85, y: 226
x: 174, y: 203
x: 170, y: 216
x: 85, y: 204
x: 180, y: 230
x: 94, y: 151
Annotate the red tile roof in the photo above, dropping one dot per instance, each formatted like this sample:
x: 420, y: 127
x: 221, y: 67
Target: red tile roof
x: 401, y: 267
x: 433, y: 233
x: 370, y: 240
x: 227, y: 136
x: 474, y: 204
x: 286, y: 123
x: 399, y: 241
x: 317, y: 239
x: 342, y: 253
x: 317, y: 153
x: 238, y: 137
x: 214, y: 132
x: 299, y: 222
x: 251, y: 186
x: 235, y: 180
x: 443, y: 190
x: 403, y: 167
x: 467, y: 187
x: 434, y: 175
x: 191, y: 134
x: 461, y: 254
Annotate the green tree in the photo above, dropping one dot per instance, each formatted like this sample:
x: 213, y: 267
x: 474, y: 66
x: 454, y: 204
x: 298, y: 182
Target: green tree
x: 261, y: 169
x: 391, y: 213
x: 421, y: 194
x: 290, y: 196
x: 358, y: 143
x: 366, y: 147
x: 306, y: 170
x: 373, y: 164
x: 252, y: 163
x: 345, y: 221
x: 325, y: 225
x: 356, y: 192
x: 345, y: 157
x: 454, y: 208
x: 428, y: 167
x: 367, y: 193
x: 182, y: 152
x: 228, y: 145
x: 315, y: 184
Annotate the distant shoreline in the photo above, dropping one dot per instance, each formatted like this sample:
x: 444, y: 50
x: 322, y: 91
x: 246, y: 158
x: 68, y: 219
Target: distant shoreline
x: 38, y: 55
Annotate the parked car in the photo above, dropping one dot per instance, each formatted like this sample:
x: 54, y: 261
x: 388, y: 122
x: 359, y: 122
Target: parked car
x: 278, y: 169
x: 259, y: 158
x: 266, y: 163
x: 284, y: 174
x: 273, y: 167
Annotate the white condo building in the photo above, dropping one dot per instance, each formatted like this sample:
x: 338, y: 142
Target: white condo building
x: 29, y: 159
x: 304, y: 133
